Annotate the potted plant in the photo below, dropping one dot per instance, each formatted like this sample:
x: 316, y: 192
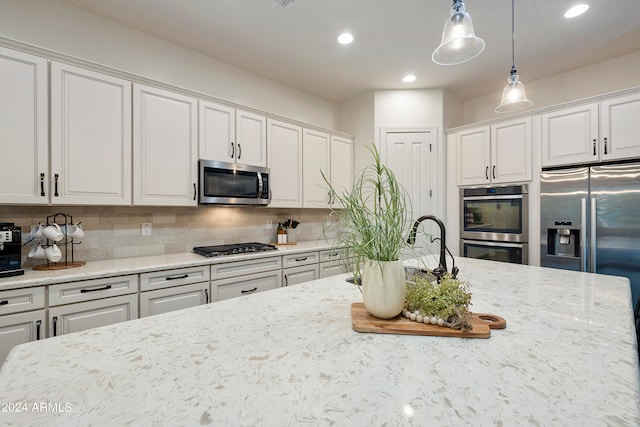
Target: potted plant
x: 374, y: 222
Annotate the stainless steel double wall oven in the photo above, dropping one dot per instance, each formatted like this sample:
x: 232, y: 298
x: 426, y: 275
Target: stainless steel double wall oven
x: 494, y: 223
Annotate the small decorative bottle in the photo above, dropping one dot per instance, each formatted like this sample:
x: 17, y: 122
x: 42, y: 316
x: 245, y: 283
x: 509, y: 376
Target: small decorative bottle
x: 282, y: 234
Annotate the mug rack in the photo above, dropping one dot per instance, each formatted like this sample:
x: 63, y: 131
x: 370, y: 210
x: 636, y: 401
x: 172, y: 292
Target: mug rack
x: 66, y: 245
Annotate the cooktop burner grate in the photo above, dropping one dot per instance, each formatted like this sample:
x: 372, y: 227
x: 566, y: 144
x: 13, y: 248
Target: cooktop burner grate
x: 233, y: 249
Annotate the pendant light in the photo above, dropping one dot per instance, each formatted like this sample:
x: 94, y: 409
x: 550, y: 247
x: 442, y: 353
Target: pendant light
x: 513, y: 96
x: 459, y: 42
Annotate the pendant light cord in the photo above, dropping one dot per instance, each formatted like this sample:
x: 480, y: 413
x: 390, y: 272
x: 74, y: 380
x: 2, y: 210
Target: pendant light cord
x: 513, y: 43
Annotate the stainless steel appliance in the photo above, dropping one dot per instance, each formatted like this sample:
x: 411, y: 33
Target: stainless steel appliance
x: 233, y: 249
x: 494, y: 223
x: 590, y: 220
x: 10, y: 250
x: 232, y: 184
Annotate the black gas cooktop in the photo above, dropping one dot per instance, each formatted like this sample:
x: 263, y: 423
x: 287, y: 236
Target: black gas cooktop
x: 233, y: 249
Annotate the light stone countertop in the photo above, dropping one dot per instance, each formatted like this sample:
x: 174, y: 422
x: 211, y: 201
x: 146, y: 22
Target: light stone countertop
x: 290, y: 357
x: 124, y: 266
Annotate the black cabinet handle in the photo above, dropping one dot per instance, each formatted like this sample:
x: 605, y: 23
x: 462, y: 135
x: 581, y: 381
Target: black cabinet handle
x: 55, y: 190
x: 206, y: 296
x: 239, y: 151
x: 286, y: 280
x: 42, y: 185
x: 104, y: 288
x: 494, y: 172
x: 55, y: 326
x: 233, y: 150
x: 605, y: 146
x: 249, y: 290
x: 38, y: 323
x: 594, y: 147
x: 301, y: 259
x: 184, y: 276
x: 486, y: 172
x: 195, y: 191
x: 4, y: 302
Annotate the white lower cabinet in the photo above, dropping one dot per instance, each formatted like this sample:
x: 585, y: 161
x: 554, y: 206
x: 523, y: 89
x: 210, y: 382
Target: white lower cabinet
x: 66, y: 319
x: 22, y: 317
x: 332, y: 268
x: 295, y: 275
x: 246, y: 284
x: 174, y: 298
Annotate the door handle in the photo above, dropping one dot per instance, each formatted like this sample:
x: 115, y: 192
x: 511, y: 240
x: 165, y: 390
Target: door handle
x: 583, y: 234
x: 486, y: 172
x: 494, y: 172
x: 249, y: 290
x: 206, y: 296
x: 42, y: 194
x: 38, y: 323
x: 233, y: 150
x: 239, y: 151
x: 55, y: 189
x: 183, y: 276
x: 195, y: 191
x: 593, y: 237
x: 594, y: 147
x: 104, y: 288
x: 55, y: 326
x: 605, y: 146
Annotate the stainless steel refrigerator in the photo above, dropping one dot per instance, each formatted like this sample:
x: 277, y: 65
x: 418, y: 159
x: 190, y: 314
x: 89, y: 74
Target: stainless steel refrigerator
x: 590, y: 220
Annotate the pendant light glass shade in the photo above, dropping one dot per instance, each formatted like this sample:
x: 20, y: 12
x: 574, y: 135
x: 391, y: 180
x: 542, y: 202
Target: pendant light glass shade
x: 514, y: 97
x: 459, y: 42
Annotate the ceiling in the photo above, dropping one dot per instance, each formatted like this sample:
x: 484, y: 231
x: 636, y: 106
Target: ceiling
x: 297, y: 45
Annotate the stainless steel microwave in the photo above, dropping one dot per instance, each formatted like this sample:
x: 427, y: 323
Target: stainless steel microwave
x: 232, y: 184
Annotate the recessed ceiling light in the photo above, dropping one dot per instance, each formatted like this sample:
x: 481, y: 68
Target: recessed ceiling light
x: 345, y: 38
x: 576, y: 11
x: 409, y: 78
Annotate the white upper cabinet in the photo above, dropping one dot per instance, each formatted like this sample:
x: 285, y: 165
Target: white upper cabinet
x: 24, y: 130
x: 164, y: 147
x: 285, y: 164
x: 592, y: 133
x: 232, y: 136
x: 495, y: 154
x: 341, y: 165
x: 90, y: 137
x: 619, y: 128
x: 316, y: 157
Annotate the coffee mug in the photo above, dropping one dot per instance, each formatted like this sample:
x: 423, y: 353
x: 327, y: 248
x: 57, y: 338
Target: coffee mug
x: 53, y: 253
x: 74, y: 231
x: 37, y: 231
x: 53, y: 232
x: 37, y: 251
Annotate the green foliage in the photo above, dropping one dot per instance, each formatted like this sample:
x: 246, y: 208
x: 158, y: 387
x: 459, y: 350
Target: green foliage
x: 448, y: 300
x: 374, y: 217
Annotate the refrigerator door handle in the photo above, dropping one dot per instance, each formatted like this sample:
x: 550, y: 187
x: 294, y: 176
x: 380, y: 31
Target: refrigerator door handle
x: 583, y: 235
x: 592, y: 242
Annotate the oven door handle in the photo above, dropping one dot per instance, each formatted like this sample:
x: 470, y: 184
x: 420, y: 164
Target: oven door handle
x: 486, y: 198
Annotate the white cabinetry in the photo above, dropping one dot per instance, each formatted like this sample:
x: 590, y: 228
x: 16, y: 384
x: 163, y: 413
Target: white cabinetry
x: 238, y: 278
x: 230, y: 135
x: 77, y: 306
x: 22, y: 318
x: 331, y: 263
x: 90, y: 137
x: 175, y: 289
x: 164, y: 147
x: 495, y: 154
x: 593, y: 132
x: 285, y: 164
x: 24, y: 130
x: 299, y: 268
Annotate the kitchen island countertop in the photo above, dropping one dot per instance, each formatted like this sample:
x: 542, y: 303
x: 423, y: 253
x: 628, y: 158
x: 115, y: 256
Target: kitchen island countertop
x: 290, y: 357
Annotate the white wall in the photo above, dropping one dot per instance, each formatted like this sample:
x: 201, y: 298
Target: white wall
x: 356, y: 118
x: 57, y: 26
x: 596, y: 79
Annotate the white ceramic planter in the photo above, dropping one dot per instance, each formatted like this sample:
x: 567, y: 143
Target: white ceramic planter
x: 384, y: 288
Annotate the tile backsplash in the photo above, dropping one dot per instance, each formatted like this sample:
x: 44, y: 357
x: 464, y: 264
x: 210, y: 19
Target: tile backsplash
x: 115, y: 232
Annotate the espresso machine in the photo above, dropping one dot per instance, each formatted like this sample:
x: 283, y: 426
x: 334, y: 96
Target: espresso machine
x: 10, y: 250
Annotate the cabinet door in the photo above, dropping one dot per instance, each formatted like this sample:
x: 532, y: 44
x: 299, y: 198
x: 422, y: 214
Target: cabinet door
x: 171, y: 299
x: 619, y: 128
x: 20, y: 328
x: 473, y: 151
x: 246, y: 285
x: 285, y: 164
x: 24, y: 130
x: 341, y: 165
x: 570, y: 136
x: 511, y: 151
x: 70, y: 318
x: 217, y: 129
x: 328, y: 269
x: 164, y: 147
x: 90, y: 137
x: 295, y: 275
x: 315, y: 158
x: 251, y: 138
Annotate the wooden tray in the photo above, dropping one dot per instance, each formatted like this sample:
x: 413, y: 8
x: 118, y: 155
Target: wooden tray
x: 362, y: 321
x: 59, y: 265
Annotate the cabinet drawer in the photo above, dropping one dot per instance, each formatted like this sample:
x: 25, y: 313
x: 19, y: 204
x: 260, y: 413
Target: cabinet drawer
x: 303, y: 258
x: 92, y: 314
x: 247, y: 285
x: 175, y: 277
x: 328, y: 269
x: 240, y: 268
x: 331, y: 255
x: 295, y: 275
x: 18, y: 300
x: 176, y: 298
x: 87, y: 290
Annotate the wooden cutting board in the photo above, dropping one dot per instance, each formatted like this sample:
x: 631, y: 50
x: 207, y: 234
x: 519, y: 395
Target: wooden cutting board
x: 362, y: 321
